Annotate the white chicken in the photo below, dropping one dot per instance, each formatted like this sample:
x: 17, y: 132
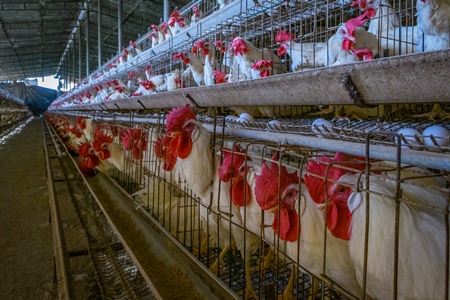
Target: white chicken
x: 196, y: 66
x: 246, y: 54
x: 433, y: 19
x: 159, y: 33
x: 303, y: 55
x: 198, y: 168
x: 172, y: 80
x: 386, y: 26
x: 421, y: 238
x: 154, y: 37
x: 197, y: 14
x: 164, y: 28
x: 276, y: 191
x: 146, y: 87
x: 176, y: 22
x: 349, y: 36
x: 209, y: 52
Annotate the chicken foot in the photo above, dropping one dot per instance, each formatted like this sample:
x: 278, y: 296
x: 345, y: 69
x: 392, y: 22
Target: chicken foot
x: 288, y: 293
x: 313, y: 290
x: 203, y: 248
x: 437, y: 111
x: 325, y: 111
x: 267, y: 261
x: 249, y: 291
x: 219, y: 261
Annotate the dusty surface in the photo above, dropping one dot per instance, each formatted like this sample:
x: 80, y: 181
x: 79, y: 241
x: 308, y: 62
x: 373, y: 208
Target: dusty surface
x: 26, y: 246
x: 166, y: 274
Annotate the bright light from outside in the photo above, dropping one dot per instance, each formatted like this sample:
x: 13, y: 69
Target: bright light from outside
x: 49, y: 82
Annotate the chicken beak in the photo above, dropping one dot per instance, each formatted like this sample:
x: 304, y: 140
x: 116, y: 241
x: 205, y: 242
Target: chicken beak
x: 321, y: 206
x: 175, y: 133
x: 350, y: 38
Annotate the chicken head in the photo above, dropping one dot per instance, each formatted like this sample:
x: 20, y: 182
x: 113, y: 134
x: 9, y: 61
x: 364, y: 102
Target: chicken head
x: 277, y: 191
x: 234, y: 168
x: 336, y: 210
x: 180, y: 126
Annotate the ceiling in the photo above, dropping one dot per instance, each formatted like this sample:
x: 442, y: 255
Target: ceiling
x: 34, y: 34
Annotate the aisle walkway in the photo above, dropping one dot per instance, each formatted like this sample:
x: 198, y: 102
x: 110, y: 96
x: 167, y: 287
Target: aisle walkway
x: 26, y: 247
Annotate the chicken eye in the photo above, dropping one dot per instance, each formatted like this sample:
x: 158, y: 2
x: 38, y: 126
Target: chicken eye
x: 341, y: 189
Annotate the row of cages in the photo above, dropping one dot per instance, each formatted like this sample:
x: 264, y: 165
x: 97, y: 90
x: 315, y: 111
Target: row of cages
x: 276, y: 37
x: 272, y: 219
x: 8, y: 118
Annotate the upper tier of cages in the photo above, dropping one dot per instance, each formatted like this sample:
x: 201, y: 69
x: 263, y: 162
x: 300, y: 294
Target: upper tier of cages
x: 309, y: 22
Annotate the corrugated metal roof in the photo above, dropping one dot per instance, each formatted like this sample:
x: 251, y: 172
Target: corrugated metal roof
x: 34, y: 33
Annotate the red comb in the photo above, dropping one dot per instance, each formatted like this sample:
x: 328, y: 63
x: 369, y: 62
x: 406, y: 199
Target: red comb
x: 219, y: 76
x: 283, y: 36
x: 354, y: 23
x: 266, y: 184
x: 178, y: 116
x: 99, y: 139
x: 179, y: 55
x: 239, y: 47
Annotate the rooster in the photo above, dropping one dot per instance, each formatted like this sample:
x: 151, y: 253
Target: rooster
x: 385, y: 25
x: 338, y: 49
x: 421, y: 238
x: 303, y: 55
x: 276, y: 192
x: 195, y: 65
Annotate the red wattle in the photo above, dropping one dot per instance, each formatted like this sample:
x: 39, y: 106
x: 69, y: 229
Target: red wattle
x: 288, y: 224
x: 92, y: 161
x: 181, y: 145
x: 347, y: 44
x: 338, y: 221
x: 240, y: 192
x: 104, y: 154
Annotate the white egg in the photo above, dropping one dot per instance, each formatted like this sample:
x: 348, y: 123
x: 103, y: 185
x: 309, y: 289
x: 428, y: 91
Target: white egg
x: 409, y: 135
x: 231, y: 118
x: 246, y: 116
x: 241, y: 120
x: 440, y: 134
x: 155, y: 115
x: 273, y: 124
x: 208, y: 119
x: 322, y: 124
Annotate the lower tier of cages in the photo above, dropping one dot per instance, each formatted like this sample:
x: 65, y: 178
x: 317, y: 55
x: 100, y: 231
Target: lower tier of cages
x: 276, y: 219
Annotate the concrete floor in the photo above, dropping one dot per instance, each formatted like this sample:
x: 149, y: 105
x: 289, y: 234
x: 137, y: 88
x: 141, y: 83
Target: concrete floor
x: 26, y: 246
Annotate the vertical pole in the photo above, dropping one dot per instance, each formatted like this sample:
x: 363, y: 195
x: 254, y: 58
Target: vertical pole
x: 79, y: 53
x: 73, y: 60
x: 65, y: 73
x: 119, y: 24
x: 166, y: 10
x: 87, y: 38
x: 99, y: 2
